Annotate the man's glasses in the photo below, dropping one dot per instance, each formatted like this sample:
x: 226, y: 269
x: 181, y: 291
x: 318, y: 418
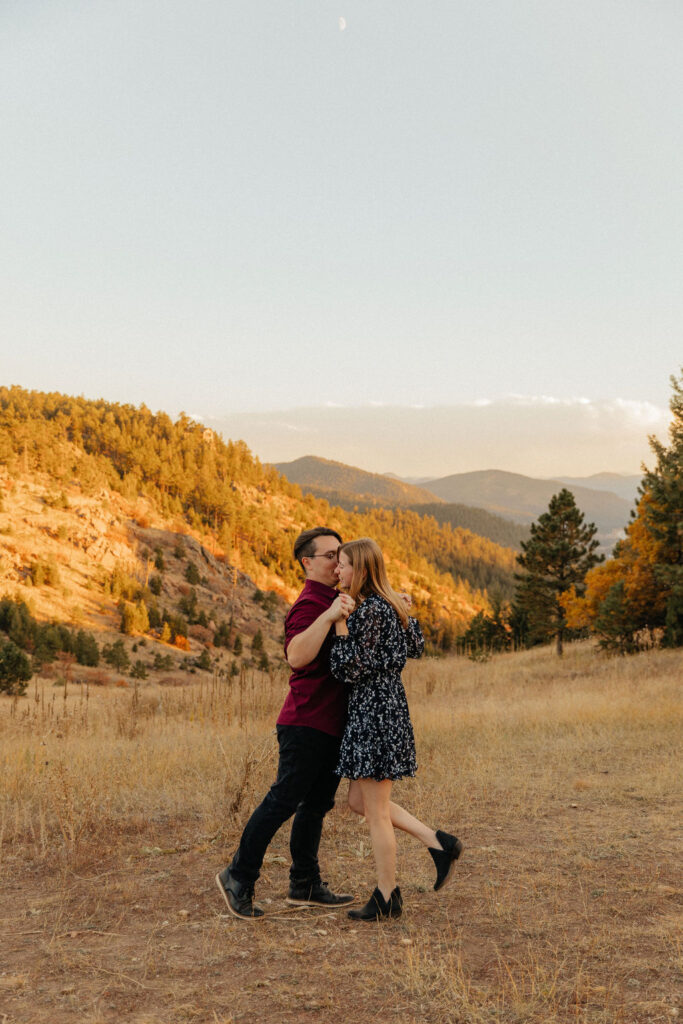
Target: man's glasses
x: 329, y: 555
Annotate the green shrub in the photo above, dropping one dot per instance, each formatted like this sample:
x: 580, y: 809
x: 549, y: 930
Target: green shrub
x: 15, y: 669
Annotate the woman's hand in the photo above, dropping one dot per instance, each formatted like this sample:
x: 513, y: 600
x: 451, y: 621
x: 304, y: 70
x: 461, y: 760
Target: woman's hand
x: 305, y: 647
x: 341, y: 607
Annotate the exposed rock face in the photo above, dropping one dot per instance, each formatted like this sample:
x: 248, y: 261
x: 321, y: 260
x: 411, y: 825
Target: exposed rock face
x: 87, y: 537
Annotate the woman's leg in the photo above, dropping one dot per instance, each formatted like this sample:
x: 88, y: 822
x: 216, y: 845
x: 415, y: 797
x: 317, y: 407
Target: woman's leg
x: 376, y: 799
x: 400, y: 818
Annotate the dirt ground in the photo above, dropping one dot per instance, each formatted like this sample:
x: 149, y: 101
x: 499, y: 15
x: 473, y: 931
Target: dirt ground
x: 569, y: 918
x: 561, y: 779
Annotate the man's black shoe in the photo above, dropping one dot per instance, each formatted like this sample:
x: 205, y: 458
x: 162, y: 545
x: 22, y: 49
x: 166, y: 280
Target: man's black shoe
x: 316, y: 894
x: 445, y: 859
x: 240, y: 898
x: 377, y: 908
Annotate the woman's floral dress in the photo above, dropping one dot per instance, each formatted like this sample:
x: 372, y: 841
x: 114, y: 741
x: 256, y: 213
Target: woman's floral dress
x: 378, y: 742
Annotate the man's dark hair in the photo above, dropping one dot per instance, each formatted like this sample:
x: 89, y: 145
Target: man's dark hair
x: 304, y: 545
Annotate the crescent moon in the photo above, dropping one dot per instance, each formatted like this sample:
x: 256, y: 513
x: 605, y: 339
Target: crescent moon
x: 342, y: 24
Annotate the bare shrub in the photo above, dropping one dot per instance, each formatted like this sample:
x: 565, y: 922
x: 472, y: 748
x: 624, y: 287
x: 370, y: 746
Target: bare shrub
x: 201, y: 633
x: 98, y: 677
x: 173, y: 681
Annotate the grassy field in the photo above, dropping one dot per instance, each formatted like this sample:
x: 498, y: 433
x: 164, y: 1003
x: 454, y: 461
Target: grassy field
x: 118, y: 805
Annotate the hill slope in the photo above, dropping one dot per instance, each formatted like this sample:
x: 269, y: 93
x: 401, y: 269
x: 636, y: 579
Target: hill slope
x: 185, y: 478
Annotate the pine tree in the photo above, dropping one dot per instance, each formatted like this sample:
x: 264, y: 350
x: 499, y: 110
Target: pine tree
x: 557, y: 556
x: 664, y: 517
x: 116, y: 655
x: 204, y: 660
x: 635, y: 599
x: 15, y: 669
x: 257, y: 642
x: 192, y: 574
x: 85, y: 648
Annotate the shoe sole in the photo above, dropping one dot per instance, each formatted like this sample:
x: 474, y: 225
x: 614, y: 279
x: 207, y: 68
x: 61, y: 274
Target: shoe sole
x: 240, y: 917
x: 449, y: 875
x: 325, y: 906
x: 381, y: 917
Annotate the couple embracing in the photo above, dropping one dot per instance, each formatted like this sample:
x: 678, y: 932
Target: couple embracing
x: 345, y: 715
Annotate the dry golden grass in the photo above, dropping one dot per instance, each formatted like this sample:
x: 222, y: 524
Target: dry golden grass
x: 561, y: 777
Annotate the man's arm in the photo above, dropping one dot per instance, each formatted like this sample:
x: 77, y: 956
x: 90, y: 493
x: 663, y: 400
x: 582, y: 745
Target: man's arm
x: 305, y: 646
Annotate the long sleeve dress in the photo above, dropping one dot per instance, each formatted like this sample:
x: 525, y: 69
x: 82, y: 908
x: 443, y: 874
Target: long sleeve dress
x: 378, y: 742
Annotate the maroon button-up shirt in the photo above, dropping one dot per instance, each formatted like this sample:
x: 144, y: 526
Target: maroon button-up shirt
x: 315, y: 699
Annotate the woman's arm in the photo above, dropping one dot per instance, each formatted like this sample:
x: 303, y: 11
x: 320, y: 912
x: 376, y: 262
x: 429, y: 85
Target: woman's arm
x: 358, y: 652
x: 341, y: 628
x: 415, y: 641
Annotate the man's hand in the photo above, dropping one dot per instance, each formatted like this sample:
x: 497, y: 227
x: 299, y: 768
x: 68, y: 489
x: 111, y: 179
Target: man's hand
x: 406, y: 598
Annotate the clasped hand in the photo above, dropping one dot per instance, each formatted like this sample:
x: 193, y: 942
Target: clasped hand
x: 341, y: 607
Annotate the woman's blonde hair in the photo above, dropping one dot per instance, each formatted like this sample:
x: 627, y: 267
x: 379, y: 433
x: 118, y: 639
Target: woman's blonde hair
x: 370, y: 574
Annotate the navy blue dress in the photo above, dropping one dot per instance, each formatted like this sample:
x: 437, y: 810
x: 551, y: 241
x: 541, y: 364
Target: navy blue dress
x: 378, y: 742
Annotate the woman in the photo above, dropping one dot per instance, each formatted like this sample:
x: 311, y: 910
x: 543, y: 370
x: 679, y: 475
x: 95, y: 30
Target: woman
x: 369, y: 652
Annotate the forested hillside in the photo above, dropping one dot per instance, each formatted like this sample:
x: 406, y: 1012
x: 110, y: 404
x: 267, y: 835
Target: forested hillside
x: 485, y: 524
x: 247, y: 515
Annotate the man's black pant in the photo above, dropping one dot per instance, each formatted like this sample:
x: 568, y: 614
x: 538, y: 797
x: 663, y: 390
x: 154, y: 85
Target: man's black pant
x: 305, y: 787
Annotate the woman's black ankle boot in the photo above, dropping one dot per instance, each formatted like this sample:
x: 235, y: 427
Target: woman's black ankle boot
x: 377, y: 907
x: 445, y: 859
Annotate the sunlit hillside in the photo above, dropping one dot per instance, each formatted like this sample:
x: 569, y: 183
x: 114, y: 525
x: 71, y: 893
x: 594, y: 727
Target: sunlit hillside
x: 82, y: 482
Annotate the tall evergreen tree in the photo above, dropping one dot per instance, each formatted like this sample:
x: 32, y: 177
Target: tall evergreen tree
x: 664, y: 516
x: 636, y: 598
x: 557, y: 556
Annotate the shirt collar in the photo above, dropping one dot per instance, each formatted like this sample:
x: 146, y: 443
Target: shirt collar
x: 313, y: 586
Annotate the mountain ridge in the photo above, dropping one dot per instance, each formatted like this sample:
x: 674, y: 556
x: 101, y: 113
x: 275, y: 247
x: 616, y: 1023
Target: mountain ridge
x: 465, y: 499
x: 374, y: 488
x: 347, y: 486
x: 523, y: 499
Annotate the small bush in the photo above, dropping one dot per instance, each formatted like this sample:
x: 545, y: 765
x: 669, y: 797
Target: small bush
x: 139, y: 670
x: 163, y: 662
x: 15, y: 669
x: 204, y: 660
x: 192, y: 574
x: 45, y: 573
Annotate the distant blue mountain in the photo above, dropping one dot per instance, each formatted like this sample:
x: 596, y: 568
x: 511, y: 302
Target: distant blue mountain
x: 524, y: 498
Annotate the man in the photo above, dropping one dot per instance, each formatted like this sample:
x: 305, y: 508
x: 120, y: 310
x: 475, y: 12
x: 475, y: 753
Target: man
x: 309, y: 731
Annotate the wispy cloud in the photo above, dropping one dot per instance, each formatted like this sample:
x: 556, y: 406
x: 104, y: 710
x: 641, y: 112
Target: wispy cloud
x: 539, y: 435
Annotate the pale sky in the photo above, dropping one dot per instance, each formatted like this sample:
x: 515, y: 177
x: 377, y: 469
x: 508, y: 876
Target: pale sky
x: 536, y: 437
x: 233, y: 207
